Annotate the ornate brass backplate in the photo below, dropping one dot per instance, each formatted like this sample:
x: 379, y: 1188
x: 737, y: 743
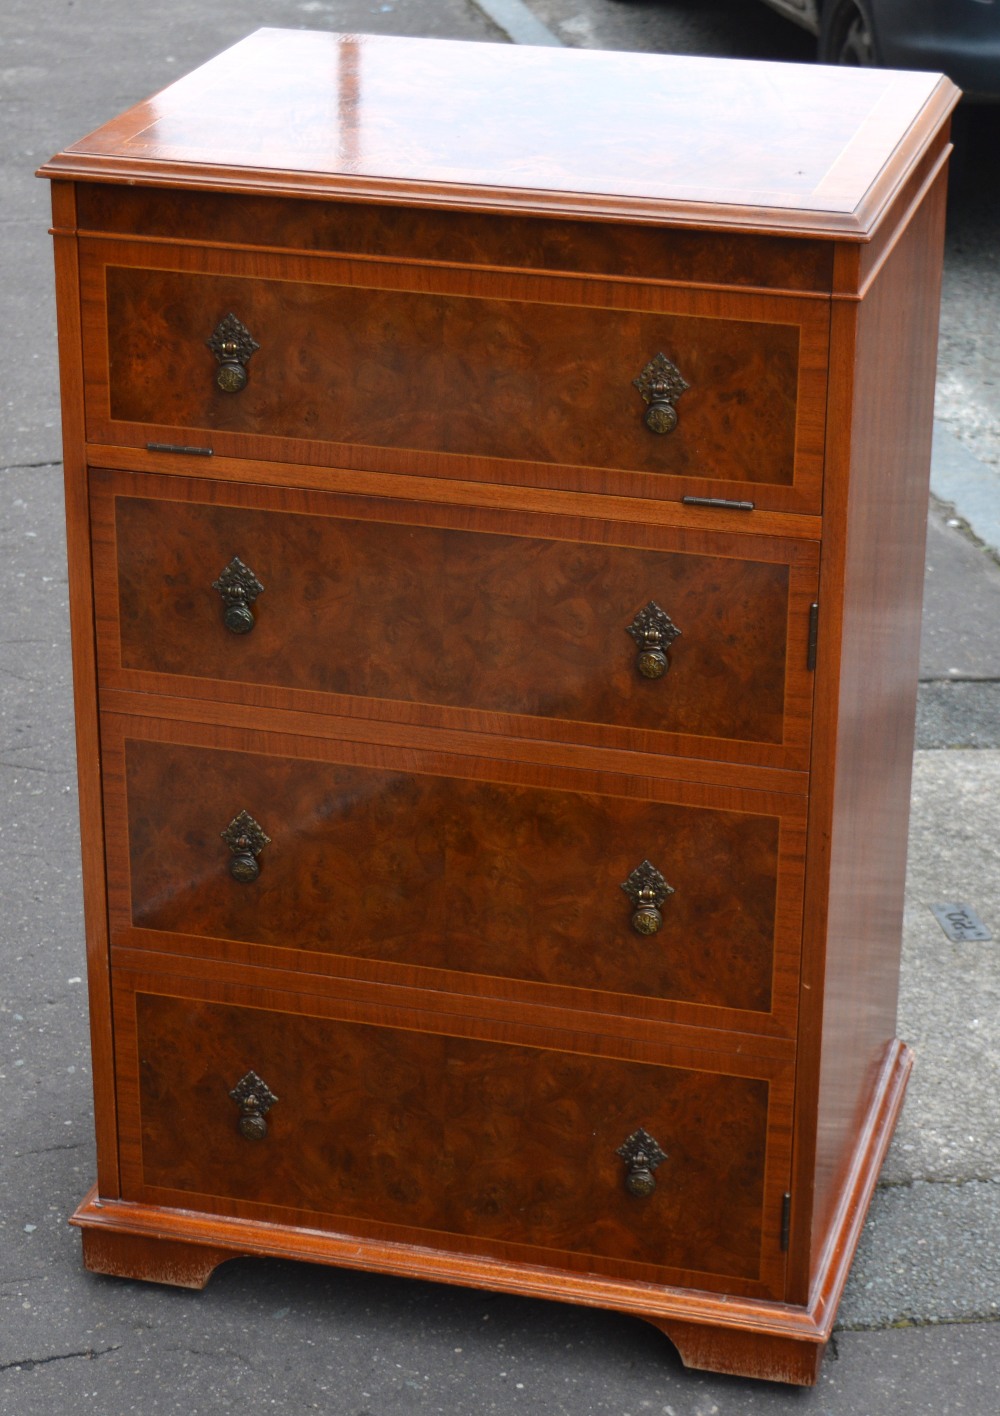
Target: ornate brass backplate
x: 239, y: 588
x: 661, y: 385
x: 653, y: 631
x: 647, y: 889
x: 246, y: 839
x: 642, y: 1154
x: 254, y: 1098
x: 233, y: 345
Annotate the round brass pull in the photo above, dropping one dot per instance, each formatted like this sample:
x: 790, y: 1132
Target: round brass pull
x: 243, y: 867
x: 652, y: 663
x: 639, y: 1181
x: 238, y: 619
x: 647, y: 918
x: 647, y: 889
x: 653, y: 631
x: 252, y: 1125
x: 254, y: 1098
x: 246, y: 839
x: 661, y: 384
x: 232, y: 377
x: 239, y: 588
x: 642, y: 1155
x: 661, y: 415
x: 233, y: 345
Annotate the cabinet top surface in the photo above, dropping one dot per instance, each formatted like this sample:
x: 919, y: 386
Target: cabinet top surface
x: 760, y: 146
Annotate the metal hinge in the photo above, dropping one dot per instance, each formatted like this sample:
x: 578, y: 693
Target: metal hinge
x: 813, y: 632
x: 786, y: 1220
x: 720, y: 502
x: 176, y: 447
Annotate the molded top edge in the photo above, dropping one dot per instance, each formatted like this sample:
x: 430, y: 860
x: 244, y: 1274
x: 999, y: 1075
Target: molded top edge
x: 755, y: 146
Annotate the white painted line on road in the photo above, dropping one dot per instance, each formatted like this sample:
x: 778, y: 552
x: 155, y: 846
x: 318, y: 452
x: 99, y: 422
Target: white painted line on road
x: 514, y: 17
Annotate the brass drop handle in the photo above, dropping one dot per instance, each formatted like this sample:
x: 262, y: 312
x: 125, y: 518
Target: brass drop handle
x: 653, y: 631
x: 233, y: 345
x: 246, y: 839
x: 239, y: 588
x: 254, y: 1098
x: 661, y: 385
x: 647, y: 889
x: 642, y: 1155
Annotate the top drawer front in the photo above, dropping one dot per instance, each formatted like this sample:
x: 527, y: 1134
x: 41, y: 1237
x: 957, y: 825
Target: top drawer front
x: 459, y: 373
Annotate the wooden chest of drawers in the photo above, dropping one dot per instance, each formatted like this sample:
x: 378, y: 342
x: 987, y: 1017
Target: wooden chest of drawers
x: 496, y: 483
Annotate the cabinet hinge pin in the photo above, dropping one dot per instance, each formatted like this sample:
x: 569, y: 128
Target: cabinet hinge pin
x: 786, y: 1220
x: 813, y: 632
x: 176, y: 447
x: 718, y: 501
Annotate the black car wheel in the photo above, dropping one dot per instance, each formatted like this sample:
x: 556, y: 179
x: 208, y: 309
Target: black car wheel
x: 846, y: 35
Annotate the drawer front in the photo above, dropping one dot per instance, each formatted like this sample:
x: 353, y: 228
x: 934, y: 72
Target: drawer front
x: 459, y: 373
x: 494, y: 1146
x: 365, y: 601
x: 393, y: 863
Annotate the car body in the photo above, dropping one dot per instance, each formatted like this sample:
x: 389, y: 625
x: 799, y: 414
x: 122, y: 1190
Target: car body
x: 958, y: 37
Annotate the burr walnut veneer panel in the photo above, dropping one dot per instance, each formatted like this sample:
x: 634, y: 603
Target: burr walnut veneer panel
x: 366, y: 509
x: 496, y: 1148
x: 462, y: 365
x: 367, y: 599
x: 399, y: 863
x: 461, y: 238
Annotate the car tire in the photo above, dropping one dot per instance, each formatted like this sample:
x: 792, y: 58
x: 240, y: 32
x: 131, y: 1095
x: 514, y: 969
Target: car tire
x: 846, y: 34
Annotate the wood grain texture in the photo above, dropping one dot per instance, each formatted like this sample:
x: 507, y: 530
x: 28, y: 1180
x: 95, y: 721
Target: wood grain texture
x: 386, y: 1132
x: 439, y: 462
x: 467, y: 876
x: 856, y: 268
x: 549, y: 752
x: 861, y: 1173
x: 752, y: 146
x: 770, y: 1341
x: 383, y: 608
x: 473, y: 872
x: 81, y: 609
x: 707, y: 258
x: 743, y: 1336
x: 767, y: 1358
x: 457, y: 363
x: 548, y: 402
x: 866, y: 693
x: 154, y: 1259
x: 492, y: 1013
x: 394, y: 477
x: 775, y: 1325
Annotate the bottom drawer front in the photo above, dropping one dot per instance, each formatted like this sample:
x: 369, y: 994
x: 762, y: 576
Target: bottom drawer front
x: 462, y: 1142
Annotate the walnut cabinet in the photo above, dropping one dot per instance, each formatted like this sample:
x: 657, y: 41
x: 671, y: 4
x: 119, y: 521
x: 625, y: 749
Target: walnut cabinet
x: 496, y: 482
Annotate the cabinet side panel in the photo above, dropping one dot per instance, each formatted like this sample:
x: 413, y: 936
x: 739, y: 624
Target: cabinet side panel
x: 85, y: 682
x: 878, y: 515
